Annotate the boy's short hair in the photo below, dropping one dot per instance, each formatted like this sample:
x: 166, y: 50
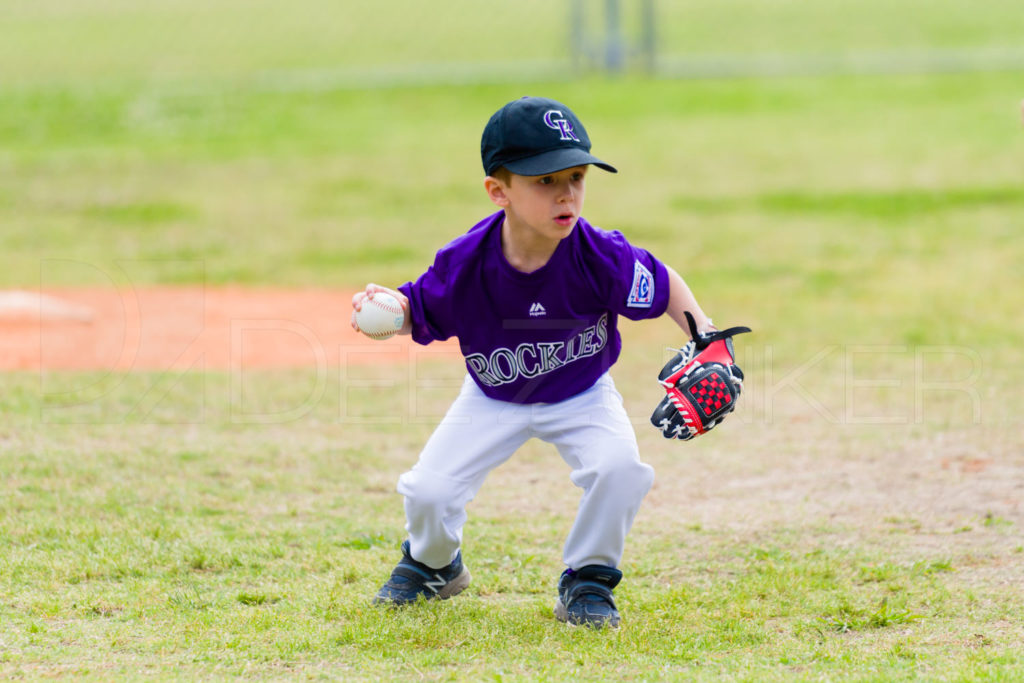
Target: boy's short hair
x: 502, y: 174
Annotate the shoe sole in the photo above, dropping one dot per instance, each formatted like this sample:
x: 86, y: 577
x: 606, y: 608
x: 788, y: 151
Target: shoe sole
x: 456, y: 585
x: 561, y: 613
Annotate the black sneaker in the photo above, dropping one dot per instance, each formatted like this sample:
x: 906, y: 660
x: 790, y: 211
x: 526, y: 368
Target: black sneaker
x: 585, y: 596
x: 411, y: 579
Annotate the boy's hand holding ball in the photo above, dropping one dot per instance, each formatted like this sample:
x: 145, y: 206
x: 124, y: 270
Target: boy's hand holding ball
x: 378, y: 312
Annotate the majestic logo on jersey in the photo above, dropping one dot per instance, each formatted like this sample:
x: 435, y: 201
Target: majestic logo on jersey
x: 536, y: 310
x: 528, y: 360
x: 561, y: 124
x: 641, y: 293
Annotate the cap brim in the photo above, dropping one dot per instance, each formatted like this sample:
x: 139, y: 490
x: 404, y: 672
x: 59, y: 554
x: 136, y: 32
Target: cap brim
x: 556, y: 160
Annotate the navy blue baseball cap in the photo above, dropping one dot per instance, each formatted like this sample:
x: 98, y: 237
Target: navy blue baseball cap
x: 536, y: 136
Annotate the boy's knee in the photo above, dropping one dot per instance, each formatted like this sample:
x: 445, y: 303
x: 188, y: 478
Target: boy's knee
x: 429, y: 489
x: 625, y: 470
x: 638, y: 475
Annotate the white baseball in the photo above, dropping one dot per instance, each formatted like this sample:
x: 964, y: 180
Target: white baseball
x: 381, y: 316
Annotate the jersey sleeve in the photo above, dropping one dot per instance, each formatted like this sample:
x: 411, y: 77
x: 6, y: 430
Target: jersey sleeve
x: 634, y: 283
x: 430, y: 304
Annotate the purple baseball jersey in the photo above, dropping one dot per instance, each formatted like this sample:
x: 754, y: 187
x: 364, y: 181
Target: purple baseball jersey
x: 539, y: 337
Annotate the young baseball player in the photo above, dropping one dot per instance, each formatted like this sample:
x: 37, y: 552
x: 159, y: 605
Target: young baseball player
x: 546, y: 290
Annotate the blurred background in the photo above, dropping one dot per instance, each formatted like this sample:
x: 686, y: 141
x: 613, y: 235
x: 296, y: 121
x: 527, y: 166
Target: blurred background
x: 335, y: 44
x: 829, y: 173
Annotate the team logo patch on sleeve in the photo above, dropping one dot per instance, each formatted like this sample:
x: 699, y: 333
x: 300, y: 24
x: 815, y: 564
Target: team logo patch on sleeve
x: 641, y: 294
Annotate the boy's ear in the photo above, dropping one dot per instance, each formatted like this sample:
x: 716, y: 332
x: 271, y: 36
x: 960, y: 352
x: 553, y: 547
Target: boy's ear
x: 496, y: 191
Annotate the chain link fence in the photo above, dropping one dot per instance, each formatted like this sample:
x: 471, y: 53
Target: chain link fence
x: 332, y: 43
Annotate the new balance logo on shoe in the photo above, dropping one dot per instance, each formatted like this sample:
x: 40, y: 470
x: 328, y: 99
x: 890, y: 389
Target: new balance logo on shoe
x: 435, y: 584
x: 537, y: 310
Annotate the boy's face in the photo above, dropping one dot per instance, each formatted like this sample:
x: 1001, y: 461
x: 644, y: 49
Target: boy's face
x: 547, y: 205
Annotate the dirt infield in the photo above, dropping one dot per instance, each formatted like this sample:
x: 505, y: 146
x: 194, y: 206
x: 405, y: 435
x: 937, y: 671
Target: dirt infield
x: 165, y: 328
x: 905, y: 493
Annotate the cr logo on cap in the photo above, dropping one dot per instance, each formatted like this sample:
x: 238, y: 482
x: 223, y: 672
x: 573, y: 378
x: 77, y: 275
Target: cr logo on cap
x: 561, y: 124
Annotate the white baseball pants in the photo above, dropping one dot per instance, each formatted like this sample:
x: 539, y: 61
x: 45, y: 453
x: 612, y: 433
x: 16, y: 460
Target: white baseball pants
x: 593, y: 435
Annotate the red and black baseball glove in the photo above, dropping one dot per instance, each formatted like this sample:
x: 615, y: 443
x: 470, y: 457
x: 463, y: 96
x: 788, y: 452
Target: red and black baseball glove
x: 702, y: 383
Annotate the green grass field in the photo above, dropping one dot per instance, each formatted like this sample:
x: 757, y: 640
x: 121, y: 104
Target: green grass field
x: 859, y: 517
